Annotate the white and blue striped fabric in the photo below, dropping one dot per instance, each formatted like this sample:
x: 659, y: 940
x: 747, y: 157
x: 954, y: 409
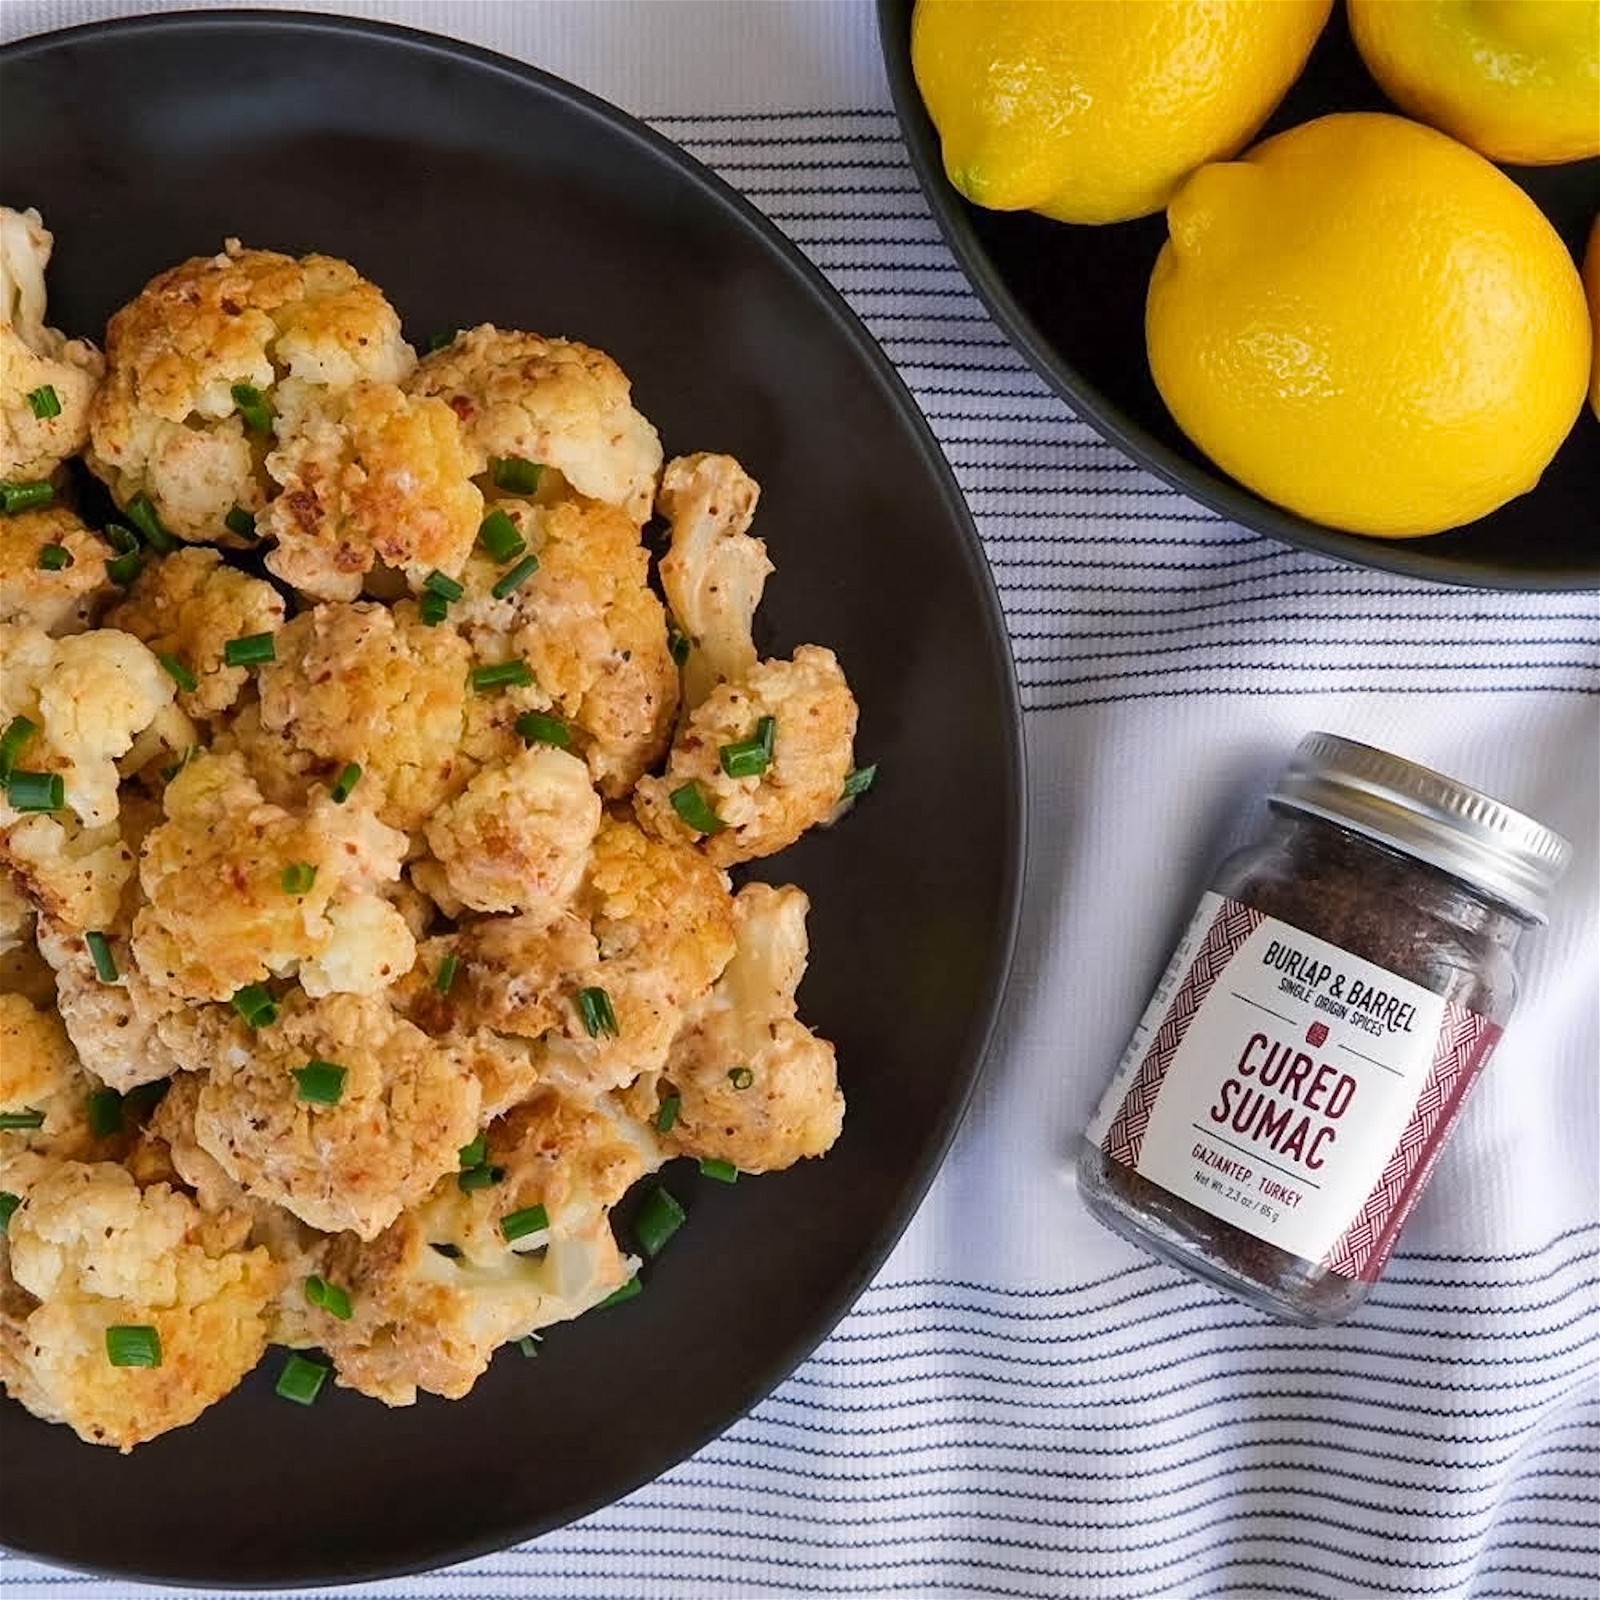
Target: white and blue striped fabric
x: 1021, y: 1405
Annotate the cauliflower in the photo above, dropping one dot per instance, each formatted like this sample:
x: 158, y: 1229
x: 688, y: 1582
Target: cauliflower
x: 367, y: 474
x: 517, y: 837
x: 189, y: 606
x: 755, y: 1087
x: 238, y: 889
x: 58, y: 600
x: 76, y: 874
x: 406, y: 1105
x: 549, y: 401
x: 714, y: 572
x: 813, y: 727
x: 365, y: 684
x: 40, y: 369
x: 93, y: 1252
x: 90, y: 695
x: 167, y: 422
x: 591, y: 630
x: 40, y: 1076
x: 436, y: 1294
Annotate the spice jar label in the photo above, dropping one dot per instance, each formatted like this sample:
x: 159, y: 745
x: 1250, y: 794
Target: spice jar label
x: 1290, y: 1088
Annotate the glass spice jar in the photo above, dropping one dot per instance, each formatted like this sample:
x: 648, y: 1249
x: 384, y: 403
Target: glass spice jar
x: 1318, y: 1029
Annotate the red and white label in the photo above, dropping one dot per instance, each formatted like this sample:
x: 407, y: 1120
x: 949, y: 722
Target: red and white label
x: 1290, y: 1088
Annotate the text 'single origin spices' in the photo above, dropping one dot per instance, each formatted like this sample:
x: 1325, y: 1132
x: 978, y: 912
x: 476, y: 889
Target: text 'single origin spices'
x: 1318, y: 1029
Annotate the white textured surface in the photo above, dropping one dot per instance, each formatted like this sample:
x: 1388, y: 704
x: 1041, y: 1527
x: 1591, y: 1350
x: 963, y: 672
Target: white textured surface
x: 1022, y: 1405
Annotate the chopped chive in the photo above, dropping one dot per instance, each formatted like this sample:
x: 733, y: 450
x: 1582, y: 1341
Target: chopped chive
x: 321, y: 1083
x: 253, y: 406
x: 690, y: 803
x: 659, y: 1217
x: 474, y: 1154
x: 497, y: 533
x: 528, y: 1344
x: 105, y: 1113
x: 8, y: 1208
x: 301, y: 1380
x: 44, y: 402
x: 20, y: 1121
x: 741, y: 1077
x: 432, y: 609
x: 677, y: 641
x: 345, y: 784
x: 298, y: 877
x: 128, y: 1346
x: 54, y: 558
x: 19, y: 730
x: 250, y: 650
x: 536, y: 728
x: 482, y: 1176
x: 515, y: 474
x: 439, y: 340
x: 255, y: 1004
x: 36, y: 791
x: 502, y: 675
x: 516, y: 577
x: 446, y: 977
x: 631, y: 1290
x: 141, y: 512
x: 722, y: 1171
x: 25, y: 496
x: 443, y: 585
x: 594, y: 1006
x: 179, y: 673
x: 668, y: 1114
x: 750, y: 757
x: 240, y: 522
x: 859, y: 781
x: 123, y: 569
x: 105, y: 964
x: 328, y: 1297
x: 123, y: 540
x: 531, y: 1219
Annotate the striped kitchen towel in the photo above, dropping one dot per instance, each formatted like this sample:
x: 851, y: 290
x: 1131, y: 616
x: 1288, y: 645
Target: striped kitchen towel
x: 1022, y: 1405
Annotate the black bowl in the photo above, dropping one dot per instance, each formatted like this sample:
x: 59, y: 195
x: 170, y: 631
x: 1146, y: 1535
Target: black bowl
x: 1072, y: 301
x: 472, y: 188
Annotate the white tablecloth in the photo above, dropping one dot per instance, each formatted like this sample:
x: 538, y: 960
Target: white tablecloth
x: 1022, y: 1405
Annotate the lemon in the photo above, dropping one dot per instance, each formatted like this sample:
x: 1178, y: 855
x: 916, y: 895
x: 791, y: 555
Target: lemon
x: 1518, y: 80
x: 1095, y: 110
x: 1366, y: 322
x: 1591, y: 282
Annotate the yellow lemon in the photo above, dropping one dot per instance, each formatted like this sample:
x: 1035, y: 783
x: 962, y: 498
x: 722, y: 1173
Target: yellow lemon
x: 1366, y: 322
x: 1518, y: 80
x: 1095, y: 110
x: 1591, y: 282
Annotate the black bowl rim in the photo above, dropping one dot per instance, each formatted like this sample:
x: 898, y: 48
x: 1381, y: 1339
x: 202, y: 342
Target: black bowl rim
x: 1012, y: 781
x: 1407, y: 557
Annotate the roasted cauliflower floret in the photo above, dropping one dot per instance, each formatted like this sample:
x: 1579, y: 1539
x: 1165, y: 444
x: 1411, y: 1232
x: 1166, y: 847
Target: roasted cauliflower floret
x: 168, y: 423
x: 189, y: 606
x: 517, y: 837
x: 46, y: 379
x: 755, y: 1086
x: 95, y: 1253
x: 812, y: 731
x: 57, y: 598
x: 40, y: 1079
x: 714, y: 572
x: 590, y: 629
x: 365, y: 684
x: 406, y: 1104
x: 550, y: 401
x: 238, y: 889
x: 89, y: 695
x: 367, y: 474
x: 427, y: 1319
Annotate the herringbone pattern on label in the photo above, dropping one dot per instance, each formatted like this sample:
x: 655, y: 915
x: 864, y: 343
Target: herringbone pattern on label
x: 1233, y: 924
x: 1465, y: 1040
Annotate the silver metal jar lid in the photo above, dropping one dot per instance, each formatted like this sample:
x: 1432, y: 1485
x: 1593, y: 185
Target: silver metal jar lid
x: 1446, y: 824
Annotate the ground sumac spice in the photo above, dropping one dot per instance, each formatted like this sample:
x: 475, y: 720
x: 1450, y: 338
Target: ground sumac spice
x: 1318, y: 1029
